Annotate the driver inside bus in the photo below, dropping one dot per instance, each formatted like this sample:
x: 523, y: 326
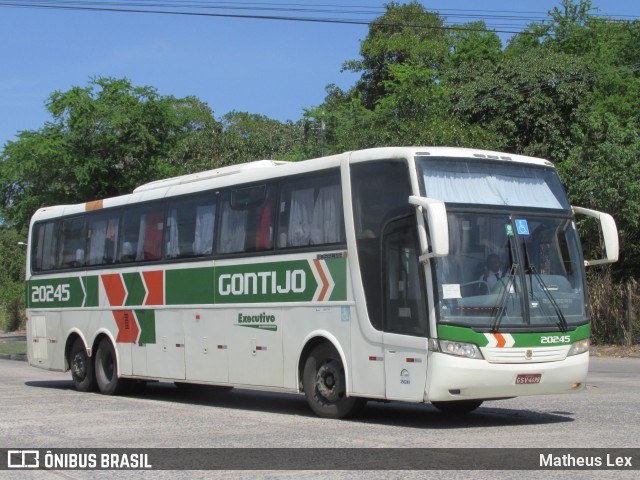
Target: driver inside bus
x: 491, y: 274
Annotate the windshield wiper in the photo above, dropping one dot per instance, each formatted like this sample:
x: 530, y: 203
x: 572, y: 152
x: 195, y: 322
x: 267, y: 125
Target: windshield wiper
x: 531, y: 271
x: 500, y: 310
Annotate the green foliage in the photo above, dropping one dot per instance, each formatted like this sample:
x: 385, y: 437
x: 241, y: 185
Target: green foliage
x: 12, y: 256
x: 604, y: 171
x: 104, y: 140
x: 530, y: 100
x: 405, y: 34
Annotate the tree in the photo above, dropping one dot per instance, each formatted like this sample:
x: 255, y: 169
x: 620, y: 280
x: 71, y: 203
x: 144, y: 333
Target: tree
x: 531, y: 100
x: 12, y: 254
x: 247, y: 137
x: 103, y: 140
x: 604, y: 171
x: 405, y: 34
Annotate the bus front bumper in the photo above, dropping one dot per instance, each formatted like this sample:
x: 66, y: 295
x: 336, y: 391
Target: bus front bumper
x: 453, y: 378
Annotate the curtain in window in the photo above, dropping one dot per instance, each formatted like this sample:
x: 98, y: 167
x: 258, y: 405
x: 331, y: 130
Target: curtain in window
x: 149, y: 236
x: 480, y: 188
x: 173, y: 247
x: 97, y: 242
x: 233, y: 230
x: 263, y: 232
x: 326, y: 226
x: 205, y: 221
x: 300, y: 217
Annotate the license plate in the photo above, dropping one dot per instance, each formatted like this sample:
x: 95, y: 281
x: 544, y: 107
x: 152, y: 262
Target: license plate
x: 528, y: 378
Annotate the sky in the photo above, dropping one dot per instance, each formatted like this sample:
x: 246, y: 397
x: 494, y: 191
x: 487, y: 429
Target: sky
x: 276, y: 68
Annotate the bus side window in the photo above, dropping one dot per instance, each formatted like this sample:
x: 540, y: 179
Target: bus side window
x: 190, y: 227
x: 45, y: 246
x: 311, y: 212
x: 141, y: 238
x: 247, y: 219
x: 103, y: 233
x: 73, y: 243
x: 233, y: 228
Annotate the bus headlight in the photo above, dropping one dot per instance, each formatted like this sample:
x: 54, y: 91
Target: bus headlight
x: 578, y: 347
x: 459, y: 349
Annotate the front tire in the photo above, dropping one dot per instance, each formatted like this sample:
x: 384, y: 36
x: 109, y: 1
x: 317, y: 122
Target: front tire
x: 82, y: 367
x: 324, y: 384
x: 106, y: 367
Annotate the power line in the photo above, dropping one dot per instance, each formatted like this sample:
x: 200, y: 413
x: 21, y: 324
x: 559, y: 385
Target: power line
x: 512, y: 22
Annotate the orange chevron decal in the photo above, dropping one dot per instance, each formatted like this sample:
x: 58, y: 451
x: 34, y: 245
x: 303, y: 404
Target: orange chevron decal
x: 323, y: 277
x: 113, y: 285
x: 501, y: 340
x: 128, y: 330
x: 155, y: 287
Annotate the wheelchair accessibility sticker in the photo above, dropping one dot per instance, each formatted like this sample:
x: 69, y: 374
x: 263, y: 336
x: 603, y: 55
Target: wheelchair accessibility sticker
x: 522, y: 226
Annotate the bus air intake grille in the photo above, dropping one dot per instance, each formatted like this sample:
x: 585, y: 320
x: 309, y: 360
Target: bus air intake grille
x: 525, y: 355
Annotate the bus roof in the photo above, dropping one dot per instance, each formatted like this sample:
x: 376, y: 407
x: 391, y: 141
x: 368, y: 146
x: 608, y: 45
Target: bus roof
x: 267, y: 169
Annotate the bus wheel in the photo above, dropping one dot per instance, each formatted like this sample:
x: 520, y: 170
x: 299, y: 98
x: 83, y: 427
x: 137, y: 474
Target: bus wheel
x: 457, y: 406
x: 107, y: 370
x: 325, y: 386
x: 82, y: 368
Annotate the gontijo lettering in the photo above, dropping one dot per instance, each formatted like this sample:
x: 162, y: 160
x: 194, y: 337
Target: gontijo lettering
x: 265, y: 283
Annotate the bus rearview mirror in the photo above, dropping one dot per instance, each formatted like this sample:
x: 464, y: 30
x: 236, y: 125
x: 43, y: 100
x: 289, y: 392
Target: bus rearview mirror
x: 438, y: 226
x: 609, y: 235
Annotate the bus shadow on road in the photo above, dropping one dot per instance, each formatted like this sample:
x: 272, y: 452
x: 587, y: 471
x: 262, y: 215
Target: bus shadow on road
x: 490, y: 414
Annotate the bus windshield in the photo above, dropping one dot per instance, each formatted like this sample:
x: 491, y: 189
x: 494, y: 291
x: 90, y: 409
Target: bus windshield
x: 510, y: 270
x: 508, y: 267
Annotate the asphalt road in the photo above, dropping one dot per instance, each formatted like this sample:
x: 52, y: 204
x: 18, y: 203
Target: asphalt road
x: 41, y: 409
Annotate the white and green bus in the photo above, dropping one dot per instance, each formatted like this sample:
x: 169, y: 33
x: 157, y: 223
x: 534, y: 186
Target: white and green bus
x: 432, y: 274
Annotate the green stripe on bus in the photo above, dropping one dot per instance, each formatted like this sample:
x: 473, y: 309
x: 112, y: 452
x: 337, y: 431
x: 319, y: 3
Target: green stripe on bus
x: 190, y: 286
x: 521, y: 340
x: 338, y: 269
x: 147, y: 322
x: 135, y: 289
x: 91, y: 289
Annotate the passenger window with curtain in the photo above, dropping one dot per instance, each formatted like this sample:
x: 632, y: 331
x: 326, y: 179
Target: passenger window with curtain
x: 141, y: 238
x: 190, y: 227
x: 102, y: 231
x: 311, y: 212
x: 246, y: 219
x: 73, y: 238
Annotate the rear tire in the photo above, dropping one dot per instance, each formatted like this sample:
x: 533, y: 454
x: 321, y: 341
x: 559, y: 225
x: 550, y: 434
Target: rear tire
x: 324, y: 385
x: 106, y: 368
x: 457, y: 406
x: 82, y: 367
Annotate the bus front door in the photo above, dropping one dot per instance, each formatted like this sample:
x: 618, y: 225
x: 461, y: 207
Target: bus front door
x: 405, y: 313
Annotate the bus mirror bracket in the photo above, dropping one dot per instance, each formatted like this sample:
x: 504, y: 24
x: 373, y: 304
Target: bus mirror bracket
x: 436, y: 215
x: 609, y: 233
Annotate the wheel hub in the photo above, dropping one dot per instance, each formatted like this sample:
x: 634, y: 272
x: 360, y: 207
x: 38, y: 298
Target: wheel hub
x: 79, y: 366
x: 327, y: 381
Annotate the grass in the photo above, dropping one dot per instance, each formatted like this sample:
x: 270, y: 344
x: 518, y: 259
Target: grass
x: 13, y: 347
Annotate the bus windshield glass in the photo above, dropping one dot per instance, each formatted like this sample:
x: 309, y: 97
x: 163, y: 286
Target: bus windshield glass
x: 508, y: 270
x: 509, y: 266
x: 474, y: 181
